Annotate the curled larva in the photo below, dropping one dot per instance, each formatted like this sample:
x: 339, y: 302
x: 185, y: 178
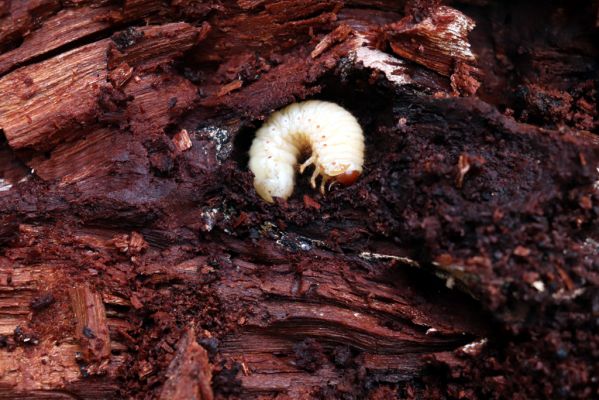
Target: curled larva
x: 326, y: 133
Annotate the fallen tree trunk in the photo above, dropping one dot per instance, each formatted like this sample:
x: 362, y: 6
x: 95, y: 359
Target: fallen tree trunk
x: 137, y: 261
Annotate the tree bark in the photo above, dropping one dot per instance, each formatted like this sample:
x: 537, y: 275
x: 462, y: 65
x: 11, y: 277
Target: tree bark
x: 137, y: 261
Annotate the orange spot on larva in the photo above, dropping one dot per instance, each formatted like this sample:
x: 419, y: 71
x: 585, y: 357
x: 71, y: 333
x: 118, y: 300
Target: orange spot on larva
x: 348, y: 177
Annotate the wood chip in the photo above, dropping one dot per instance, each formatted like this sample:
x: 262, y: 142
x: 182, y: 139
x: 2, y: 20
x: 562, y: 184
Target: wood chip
x: 229, y: 87
x: 91, y: 327
x: 338, y: 35
x: 182, y: 141
x: 190, y: 373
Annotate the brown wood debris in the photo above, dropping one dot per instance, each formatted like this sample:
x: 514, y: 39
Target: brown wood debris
x: 79, y: 79
x: 182, y: 141
x: 73, y: 162
x: 439, y: 42
x: 91, y: 325
x: 147, y: 47
x: 190, y: 373
x: 137, y: 261
x: 338, y: 35
x: 46, y: 102
x: 229, y: 87
x: 19, y: 17
x: 156, y: 101
x: 60, y: 29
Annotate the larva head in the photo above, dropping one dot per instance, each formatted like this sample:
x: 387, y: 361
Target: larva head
x: 348, y: 177
x: 344, y: 173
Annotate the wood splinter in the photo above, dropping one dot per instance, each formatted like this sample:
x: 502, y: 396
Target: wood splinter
x: 190, y: 373
x: 91, y: 324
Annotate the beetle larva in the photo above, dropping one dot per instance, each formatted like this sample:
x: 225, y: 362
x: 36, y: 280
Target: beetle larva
x: 328, y: 133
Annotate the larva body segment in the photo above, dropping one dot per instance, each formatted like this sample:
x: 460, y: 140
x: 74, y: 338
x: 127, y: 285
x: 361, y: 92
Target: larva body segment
x: 326, y: 132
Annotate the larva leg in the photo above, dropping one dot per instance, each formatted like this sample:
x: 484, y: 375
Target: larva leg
x: 306, y: 164
x: 314, y: 176
x: 333, y: 182
x: 322, y: 183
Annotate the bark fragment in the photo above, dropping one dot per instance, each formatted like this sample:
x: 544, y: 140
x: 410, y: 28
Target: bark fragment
x: 182, y: 141
x: 338, y: 35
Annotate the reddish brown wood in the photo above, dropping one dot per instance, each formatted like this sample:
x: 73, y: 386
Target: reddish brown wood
x: 190, y: 373
x: 58, y: 95
x: 439, y: 41
x: 136, y: 260
x: 91, y: 326
x: 61, y: 29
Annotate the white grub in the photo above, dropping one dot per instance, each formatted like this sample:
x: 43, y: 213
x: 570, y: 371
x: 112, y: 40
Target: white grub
x: 431, y: 331
x: 330, y: 135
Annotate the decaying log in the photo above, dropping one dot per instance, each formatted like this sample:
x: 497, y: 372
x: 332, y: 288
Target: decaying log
x: 306, y: 319
x: 137, y: 261
x: 79, y: 79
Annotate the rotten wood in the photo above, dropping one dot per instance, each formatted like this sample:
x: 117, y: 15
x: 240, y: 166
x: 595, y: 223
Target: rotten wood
x: 189, y: 374
x: 40, y: 354
x: 150, y: 46
x: 61, y: 29
x: 439, y: 42
x: 19, y: 17
x: 91, y: 327
x: 136, y: 260
x: 302, y: 323
x: 338, y: 35
x: 75, y: 78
